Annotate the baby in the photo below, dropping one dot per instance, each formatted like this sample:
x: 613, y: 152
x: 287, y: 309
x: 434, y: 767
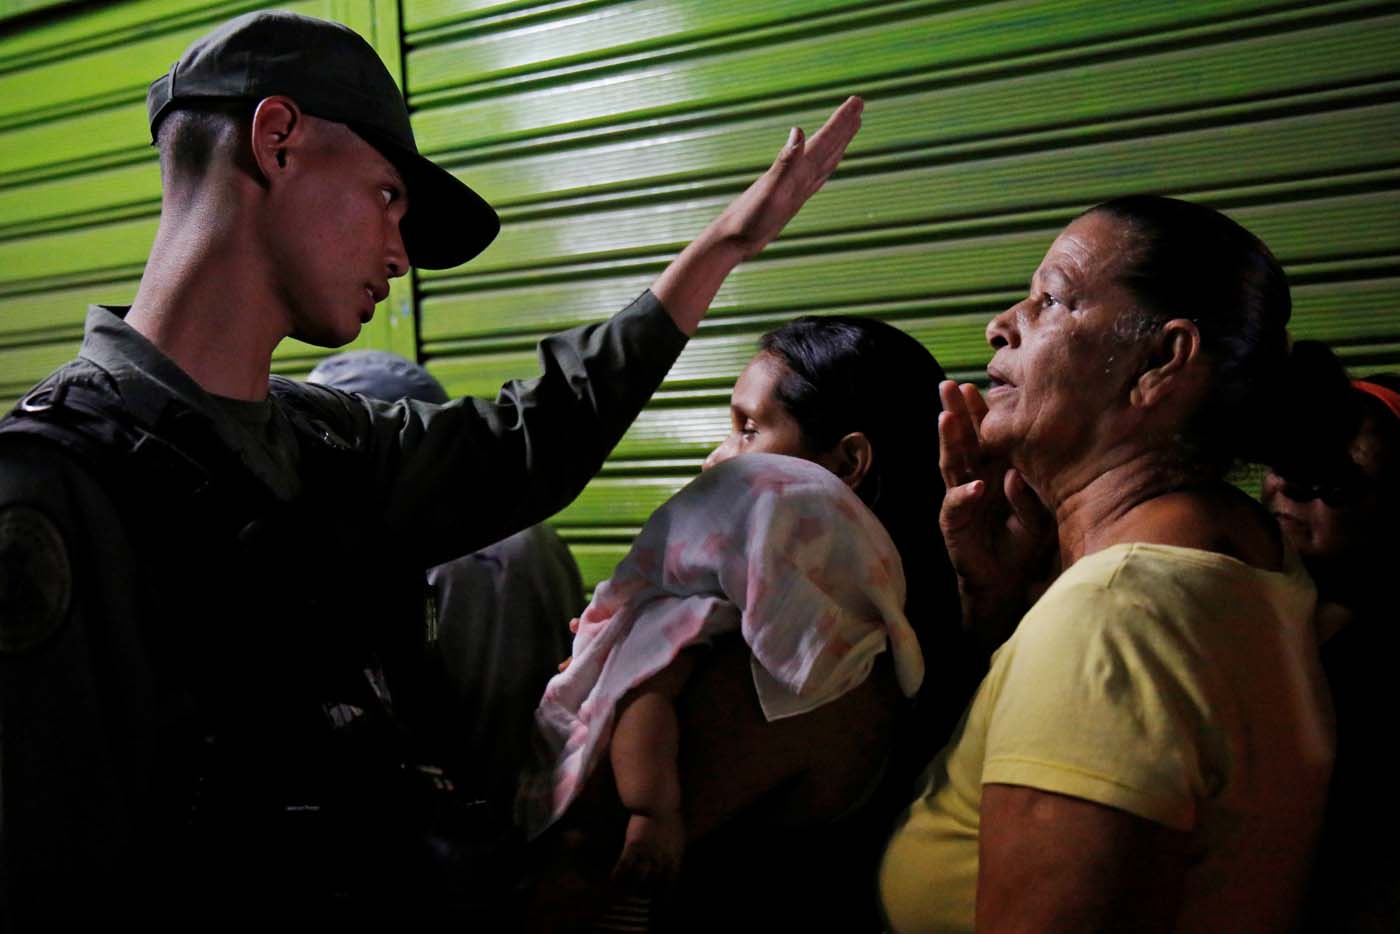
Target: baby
x: 773, y: 546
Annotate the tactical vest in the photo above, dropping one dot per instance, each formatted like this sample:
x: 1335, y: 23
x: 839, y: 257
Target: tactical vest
x: 283, y: 646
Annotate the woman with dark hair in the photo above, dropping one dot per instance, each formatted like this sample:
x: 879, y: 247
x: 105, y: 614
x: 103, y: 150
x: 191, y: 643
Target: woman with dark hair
x: 835, y: 390
x: 1339, y: 505
x: 1150, y: 750
x: 1337, y: 499
x: 858, y: 398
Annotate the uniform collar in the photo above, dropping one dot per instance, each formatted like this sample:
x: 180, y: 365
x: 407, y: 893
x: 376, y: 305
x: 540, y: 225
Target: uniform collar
x: 149, y: 381
x: 155, y: 390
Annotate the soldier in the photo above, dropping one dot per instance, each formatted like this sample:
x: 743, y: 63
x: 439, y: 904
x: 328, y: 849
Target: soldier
x: 499, y: 617
x: 197, y: 694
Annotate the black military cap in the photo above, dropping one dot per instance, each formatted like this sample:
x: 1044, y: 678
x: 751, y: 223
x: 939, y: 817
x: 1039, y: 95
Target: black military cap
x: 334, y: 74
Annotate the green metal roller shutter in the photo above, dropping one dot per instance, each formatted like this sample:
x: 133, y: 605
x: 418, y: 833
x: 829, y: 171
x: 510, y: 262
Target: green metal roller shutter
x: 608, y: 133
x: 79, y: 181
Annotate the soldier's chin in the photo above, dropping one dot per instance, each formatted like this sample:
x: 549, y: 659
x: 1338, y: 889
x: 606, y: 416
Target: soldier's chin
x: 325, y: 337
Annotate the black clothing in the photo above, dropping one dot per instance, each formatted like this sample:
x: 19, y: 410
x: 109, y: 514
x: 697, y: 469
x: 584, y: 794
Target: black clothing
x: 200, y: 698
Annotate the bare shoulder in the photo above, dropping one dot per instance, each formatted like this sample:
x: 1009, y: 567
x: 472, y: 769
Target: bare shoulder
x: 808, y: 767
x: 1220, y: 518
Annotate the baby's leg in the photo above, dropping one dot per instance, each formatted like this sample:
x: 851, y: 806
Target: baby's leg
x: 644, y: 752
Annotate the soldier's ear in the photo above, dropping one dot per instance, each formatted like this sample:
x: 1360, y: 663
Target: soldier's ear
x: 278, y: 136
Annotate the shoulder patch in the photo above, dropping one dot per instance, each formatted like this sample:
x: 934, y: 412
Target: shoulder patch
x: 36, y: 578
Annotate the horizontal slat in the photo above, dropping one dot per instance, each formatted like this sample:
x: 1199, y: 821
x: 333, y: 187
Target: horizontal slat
x: 57, y: 317
x: 11, y: 9
x: 104, y: 77
x: 688, y: 432
x: 596, y: 32
x: 595, y: 561
x: 1367, y: 359
x: 24, y: 366
x: 920, y: 121
x: 1335, y: 143
x: 108, y: 74
x: 968, y: 117
x: 934, y: 47
x: 609, y: 131
x: 1311, y: 231
x: 123, y: 191
x: 618, y: 501
x: 953, y: 187
x: 82, y: 106
x: 104, y: 24
x: 482, y: 374
x: 528, y: 310
x: 1326, y: 229
x: 422, y: 14
x: 39, y: 332
x: 1368, y: 309
x: 1362, y: 310
x: 116, y: 135
x: 57, y: 314
x: 115, y: 249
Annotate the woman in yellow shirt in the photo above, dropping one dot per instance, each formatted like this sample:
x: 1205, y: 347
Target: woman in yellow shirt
x: 1150, y: 750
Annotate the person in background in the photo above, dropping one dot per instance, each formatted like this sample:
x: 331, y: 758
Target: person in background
x: 499, y: 615
x: 1338, y: 503
x: 771, y: 809
x: 1150, y: 749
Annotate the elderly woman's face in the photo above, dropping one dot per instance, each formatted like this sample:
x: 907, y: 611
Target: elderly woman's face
x: 1058, y: 365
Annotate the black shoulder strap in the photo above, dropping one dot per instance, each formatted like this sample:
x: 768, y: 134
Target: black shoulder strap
x: 80, y: 411
x: 71, y: 409
x: 317, y: 437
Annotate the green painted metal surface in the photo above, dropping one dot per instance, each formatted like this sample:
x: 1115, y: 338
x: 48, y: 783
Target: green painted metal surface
x: 12, y: 9
x: 609, y: 131
x: 79, y: 182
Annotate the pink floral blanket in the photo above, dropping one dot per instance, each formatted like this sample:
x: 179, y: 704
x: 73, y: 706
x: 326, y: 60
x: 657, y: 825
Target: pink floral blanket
x: 773, y: 546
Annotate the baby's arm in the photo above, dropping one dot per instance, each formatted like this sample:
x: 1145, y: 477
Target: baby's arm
x: 644, y: 752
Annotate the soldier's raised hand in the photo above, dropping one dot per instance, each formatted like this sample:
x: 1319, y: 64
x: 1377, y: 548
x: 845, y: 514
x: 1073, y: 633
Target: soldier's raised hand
x: 803, y: 165
x: 751, y: 221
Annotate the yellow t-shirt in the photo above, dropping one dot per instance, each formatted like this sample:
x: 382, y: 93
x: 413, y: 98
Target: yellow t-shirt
x: 1175, y: 684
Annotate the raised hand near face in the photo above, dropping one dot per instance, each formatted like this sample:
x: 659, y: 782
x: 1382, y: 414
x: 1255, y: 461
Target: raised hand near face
x: 999, y: 536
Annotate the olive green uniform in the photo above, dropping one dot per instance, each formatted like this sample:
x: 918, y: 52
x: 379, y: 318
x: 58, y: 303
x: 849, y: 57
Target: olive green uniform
x: 103, y: 624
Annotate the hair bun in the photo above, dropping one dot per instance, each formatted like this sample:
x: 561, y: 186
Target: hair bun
x: 1302, y: 416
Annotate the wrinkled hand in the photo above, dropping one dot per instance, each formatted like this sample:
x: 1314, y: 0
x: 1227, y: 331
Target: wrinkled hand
x: 999, y: 535
x: 757, y: 216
